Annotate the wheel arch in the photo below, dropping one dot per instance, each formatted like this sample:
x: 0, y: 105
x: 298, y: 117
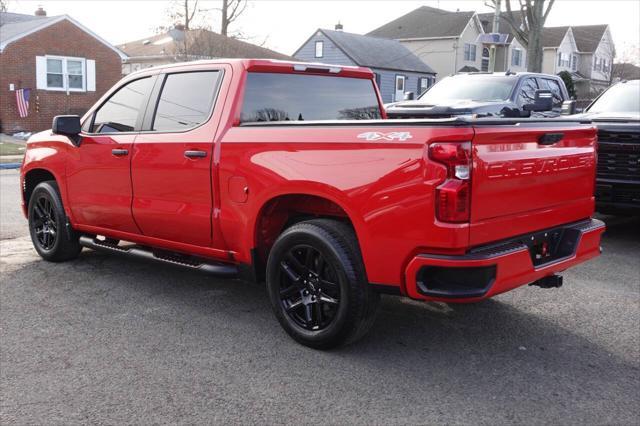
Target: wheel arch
x: 32, y: 178
x: 286, y: 209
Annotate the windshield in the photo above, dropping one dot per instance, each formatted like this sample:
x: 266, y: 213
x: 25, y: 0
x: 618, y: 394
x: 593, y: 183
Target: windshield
x: 623, y: 97
x: 470, y: 87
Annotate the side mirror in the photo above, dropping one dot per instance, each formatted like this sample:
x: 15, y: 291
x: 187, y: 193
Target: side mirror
x: 569, y: 108
x: 67, y: 125
x: 543, y: 101
x: 409, y: 96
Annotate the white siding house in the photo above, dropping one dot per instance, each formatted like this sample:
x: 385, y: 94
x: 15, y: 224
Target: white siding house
x: 447, y: 41
x: 397, y: 70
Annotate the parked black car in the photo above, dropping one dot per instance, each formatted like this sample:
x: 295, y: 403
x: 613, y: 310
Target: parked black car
x: 507, y: 94
x: 616, y: 112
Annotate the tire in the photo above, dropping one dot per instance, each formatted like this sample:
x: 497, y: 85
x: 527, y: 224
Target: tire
x: 52, y: 238
x: 304, y: 288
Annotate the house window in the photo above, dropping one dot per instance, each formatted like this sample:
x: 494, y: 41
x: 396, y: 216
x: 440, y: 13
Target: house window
x: 55, y: 77
x: 596, y: 64
x: 423, y: 85
x: 516, y: 57
x: 65, y: 73
x: 574, y: 62
x: 484, y: 64
x: 319, y: 49
x: 564, y: 60
x: 469, y: 52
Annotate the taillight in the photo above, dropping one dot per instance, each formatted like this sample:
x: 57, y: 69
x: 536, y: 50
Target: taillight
x: 453, y: 197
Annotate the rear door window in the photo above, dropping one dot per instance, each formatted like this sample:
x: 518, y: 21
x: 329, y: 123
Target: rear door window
x: 123, y: 111
x: 554, y: 87
x: 297, y: 97
x: 185, y: 101
x: 528, y: 91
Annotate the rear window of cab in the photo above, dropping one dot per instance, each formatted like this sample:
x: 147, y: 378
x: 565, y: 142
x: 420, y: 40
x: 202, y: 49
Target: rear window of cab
x: 298, y: 97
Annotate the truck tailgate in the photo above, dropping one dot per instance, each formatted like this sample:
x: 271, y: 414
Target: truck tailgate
x: 530, y: 176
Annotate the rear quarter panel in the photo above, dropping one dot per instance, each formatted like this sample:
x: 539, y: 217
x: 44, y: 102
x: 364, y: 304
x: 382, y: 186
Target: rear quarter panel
x: 385, y: 187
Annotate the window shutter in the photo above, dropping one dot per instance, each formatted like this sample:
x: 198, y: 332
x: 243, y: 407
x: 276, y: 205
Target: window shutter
x: 91, y: 75
x: 41, y: 72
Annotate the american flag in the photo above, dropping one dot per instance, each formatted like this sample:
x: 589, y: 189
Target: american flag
x: 22, y: 98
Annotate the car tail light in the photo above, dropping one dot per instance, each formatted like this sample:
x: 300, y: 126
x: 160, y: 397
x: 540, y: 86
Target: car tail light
x: 453, y: 196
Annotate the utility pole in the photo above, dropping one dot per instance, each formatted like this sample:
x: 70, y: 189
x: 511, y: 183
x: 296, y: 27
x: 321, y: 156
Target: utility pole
x: 495, y: 29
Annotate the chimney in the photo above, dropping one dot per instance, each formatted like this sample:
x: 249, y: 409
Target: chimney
x: 339, y: 26
x: 40, y: 12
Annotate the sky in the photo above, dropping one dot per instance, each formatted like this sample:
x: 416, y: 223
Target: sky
x: 283, y: 25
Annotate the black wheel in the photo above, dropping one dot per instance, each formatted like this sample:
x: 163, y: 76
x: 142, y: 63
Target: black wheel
x: 47, y: 225
x: 317, y: 284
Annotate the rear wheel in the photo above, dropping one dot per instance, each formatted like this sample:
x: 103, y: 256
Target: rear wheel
x: 51, y: 237
x: 317, y: 284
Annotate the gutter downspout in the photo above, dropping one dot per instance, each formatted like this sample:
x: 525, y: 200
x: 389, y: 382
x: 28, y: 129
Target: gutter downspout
x: 456, y: 45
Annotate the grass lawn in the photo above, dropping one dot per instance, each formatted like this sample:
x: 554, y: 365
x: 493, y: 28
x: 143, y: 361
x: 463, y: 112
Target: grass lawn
x: 10, y: 148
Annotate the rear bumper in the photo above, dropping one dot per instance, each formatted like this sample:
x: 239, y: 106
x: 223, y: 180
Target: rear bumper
x: 493, y: 269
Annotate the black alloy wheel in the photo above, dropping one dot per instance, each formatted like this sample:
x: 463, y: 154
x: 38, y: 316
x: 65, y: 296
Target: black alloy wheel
x: 309, y: 290
x: 318, y: 286
x: 44, y: 223
x: 52, y: 238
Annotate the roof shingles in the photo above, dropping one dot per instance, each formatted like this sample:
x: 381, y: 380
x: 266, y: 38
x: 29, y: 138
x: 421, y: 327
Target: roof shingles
x: 425, y: 22
x: 377, y: 52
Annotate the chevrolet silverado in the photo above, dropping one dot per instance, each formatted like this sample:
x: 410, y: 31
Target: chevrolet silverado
x: 289, y: 174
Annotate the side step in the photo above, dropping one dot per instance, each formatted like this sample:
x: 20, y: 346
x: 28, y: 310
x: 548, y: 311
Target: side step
x: 191, y: 262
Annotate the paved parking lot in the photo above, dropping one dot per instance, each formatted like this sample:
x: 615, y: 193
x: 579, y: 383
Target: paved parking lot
x: 107, y: 339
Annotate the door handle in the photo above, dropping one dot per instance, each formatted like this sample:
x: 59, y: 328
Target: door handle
x: 195, y: 154
x: 120, y: 152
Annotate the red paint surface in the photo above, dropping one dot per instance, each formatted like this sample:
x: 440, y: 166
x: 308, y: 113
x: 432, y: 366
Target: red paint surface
x: 156, y: 196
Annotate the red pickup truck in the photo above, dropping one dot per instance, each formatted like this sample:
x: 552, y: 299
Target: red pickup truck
x: 289, y: 173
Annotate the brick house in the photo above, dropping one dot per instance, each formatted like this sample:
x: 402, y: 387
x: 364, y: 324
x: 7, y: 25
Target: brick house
x: 65, y: 65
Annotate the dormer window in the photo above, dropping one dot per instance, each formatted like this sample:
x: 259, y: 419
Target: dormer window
x: 319, y: 49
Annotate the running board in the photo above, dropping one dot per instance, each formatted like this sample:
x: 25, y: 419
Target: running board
x: 195, y: 263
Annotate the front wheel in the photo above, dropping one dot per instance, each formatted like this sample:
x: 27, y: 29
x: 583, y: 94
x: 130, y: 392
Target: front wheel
x: 317, y: 284
x: 48, y: 225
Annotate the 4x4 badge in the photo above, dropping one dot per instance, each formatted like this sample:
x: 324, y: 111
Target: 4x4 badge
x: 376, y: 136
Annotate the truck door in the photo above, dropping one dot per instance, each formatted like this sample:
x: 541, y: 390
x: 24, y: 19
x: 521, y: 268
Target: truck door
x: 98, y: 172
x: 171, y: 166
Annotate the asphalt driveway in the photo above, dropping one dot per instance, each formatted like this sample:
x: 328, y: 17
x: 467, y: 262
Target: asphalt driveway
x: 106, y: 339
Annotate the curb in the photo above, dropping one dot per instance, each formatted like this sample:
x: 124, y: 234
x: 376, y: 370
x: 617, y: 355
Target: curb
x: 5, y: 166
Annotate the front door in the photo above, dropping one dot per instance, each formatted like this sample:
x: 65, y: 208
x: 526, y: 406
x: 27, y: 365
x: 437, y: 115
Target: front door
x: 171, y: 167
x: 400, y: 80
x: 98, y: 172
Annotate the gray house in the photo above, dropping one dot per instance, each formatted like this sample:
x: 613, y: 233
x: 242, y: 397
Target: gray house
x: 397, y: 70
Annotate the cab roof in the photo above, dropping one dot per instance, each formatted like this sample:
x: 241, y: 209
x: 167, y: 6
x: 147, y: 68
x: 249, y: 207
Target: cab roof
x: 271, y: 65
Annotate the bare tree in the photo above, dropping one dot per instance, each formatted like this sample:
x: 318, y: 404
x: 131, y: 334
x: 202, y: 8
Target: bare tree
x: 181, y: 12
x: 189, y: 15
x: 231, y: 11
x: 529, y: 30
x: 4, y: 5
